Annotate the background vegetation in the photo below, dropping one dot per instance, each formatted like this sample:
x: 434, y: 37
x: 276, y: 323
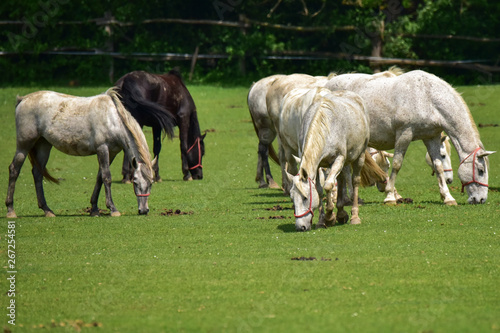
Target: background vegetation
x: 395, y: 22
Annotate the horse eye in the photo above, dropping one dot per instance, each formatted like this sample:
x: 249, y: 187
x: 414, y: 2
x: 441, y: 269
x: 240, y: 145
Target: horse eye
x: 480, y: 172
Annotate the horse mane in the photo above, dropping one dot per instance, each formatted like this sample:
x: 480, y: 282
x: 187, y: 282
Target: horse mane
x: 134, y: 129
x: 395, y: 70
x: 177, y: 73
x: 315, y: 138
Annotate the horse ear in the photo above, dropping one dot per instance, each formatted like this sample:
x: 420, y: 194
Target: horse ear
x: 135, y: 165
x: 289, y: 176
x: 483, y: 153
x: 299, y: 185
x: 297, y: 160
x: 154, y: 162
x: 204, y: 135
x: 444, y: 138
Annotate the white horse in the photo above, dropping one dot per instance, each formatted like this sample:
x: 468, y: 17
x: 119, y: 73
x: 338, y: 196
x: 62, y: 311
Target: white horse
x: 264, y: 99
x: 79, y: 126
x: 419, y: 106
x: 334, y: 133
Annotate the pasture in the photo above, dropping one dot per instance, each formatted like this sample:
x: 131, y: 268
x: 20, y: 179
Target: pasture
x: 216, y: 255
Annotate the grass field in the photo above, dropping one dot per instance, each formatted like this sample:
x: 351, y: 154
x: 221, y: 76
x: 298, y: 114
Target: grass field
x: 226, y: 265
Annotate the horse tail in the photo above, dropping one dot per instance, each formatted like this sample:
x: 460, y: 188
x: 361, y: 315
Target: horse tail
x: 371, y: 172
x: 35, y: 164
x: 272, y: 151
x: 272, y: 154
x: 140, y: 108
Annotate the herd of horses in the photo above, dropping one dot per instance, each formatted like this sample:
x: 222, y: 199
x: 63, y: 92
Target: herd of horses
x: 332, y: 131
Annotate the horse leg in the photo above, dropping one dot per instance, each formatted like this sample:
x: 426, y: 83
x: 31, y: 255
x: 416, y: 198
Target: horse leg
x: 433, y: 148
x: 156, y: 152
x: 266, y: 137
x: 14, y: 170
x: 126, y: 169
x: 403, y: 140
x: 332, y: 190
x: 103, y: 177
x: 342, y: 199
x: 356, y: 180
x: 41, y: 154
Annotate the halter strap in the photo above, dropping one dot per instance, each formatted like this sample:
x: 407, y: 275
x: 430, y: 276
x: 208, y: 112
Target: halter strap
x: 474, y: 153
x: 309, y: 210
x: 197, y: 141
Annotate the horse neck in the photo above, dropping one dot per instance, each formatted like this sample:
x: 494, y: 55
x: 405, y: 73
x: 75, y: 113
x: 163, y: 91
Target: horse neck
x: 194, y: 127
x: 460, y: 126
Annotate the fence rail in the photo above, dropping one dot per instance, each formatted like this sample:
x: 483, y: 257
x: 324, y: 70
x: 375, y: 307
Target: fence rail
x: 245, y: 23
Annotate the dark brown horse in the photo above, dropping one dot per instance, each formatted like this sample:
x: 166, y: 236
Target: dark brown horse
x: 156, y: 99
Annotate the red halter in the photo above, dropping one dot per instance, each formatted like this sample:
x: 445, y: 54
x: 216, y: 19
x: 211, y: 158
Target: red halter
x: 309, y: 210
x: 474, y: 153
x: 197, y: 141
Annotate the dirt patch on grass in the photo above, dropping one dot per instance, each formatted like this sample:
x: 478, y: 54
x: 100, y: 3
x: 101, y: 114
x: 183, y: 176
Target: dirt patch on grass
x: 174, y: 212
x: 405, y: 200
x: 312, y: 258
x: 278, y: 208
x: 279, y: 217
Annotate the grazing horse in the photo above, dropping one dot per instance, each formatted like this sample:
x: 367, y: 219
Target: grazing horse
x: 160, y: 101
x: 334, y: 133
x: 264, y: 99
x: 419, y: 106
x: 79, y: 126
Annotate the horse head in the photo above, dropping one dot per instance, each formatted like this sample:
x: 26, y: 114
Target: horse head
x: 305, y: 198
x: 473, y: 172
x: 143, y: 179
x: 194, y: 157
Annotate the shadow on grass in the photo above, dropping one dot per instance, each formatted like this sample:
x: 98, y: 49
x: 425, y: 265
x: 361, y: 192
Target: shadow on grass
x: 287, y: 227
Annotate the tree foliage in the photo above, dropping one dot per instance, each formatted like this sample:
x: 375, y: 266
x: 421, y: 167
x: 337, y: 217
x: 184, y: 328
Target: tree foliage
x: 392, y: 21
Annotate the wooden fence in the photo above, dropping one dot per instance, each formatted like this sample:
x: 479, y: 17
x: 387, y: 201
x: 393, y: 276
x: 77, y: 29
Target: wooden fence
x: 375, y: 59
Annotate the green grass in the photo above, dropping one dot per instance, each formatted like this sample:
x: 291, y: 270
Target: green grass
x: 227, y: 267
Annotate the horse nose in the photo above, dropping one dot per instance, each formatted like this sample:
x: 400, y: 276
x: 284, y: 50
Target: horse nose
x: 476, y: 201
x: 449, y: 180
x: 302, y: 228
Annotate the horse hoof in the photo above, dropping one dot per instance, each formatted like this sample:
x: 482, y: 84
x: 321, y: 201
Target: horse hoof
x: 450, y: 203
x: 50, y: 214
x: 390, y: 202
x: 342, y: 219
x: 116, y: 214
x: 263, y: 185
x: 159, y: 180
x: 126, y: 181
x: 355, y: 220
x: 188, y: 179
x: 320, y: 226
x: 11, y: 215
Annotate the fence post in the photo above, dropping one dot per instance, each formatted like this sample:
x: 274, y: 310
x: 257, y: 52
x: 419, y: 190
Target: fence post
x: 242, y: 60
x: 377, y: 43
x: 108, y: 28
x: 193, y: 62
